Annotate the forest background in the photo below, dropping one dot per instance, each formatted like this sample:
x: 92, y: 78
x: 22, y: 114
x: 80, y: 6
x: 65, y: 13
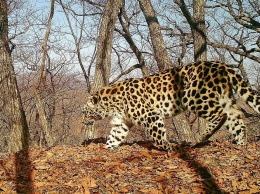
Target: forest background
x: 54, y: 53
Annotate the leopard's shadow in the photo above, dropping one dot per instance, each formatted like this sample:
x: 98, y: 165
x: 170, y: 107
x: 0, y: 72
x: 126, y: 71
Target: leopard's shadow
x: 210, y: 185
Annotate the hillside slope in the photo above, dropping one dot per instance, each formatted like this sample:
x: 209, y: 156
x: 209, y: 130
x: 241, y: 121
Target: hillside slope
x: 216, y: 168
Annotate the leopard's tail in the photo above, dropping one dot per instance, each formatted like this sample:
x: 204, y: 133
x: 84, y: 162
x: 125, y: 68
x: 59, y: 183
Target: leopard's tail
x: 244, y: 91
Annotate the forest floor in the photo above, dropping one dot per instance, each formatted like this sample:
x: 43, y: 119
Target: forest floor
x: 137, y: 168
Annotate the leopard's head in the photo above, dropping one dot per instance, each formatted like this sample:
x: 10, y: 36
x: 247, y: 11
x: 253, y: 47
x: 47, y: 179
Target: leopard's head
x: 91, y: 111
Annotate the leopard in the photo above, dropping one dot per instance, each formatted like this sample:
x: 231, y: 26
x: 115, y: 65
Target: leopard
x: 206, y: 88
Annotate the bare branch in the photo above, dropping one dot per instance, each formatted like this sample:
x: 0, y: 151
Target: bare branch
x: 235, y: 50
x: 128, y: 37
x: 242, y: 18
x: 96, y: 4
x: 125, y: 73
x: 77, y: 41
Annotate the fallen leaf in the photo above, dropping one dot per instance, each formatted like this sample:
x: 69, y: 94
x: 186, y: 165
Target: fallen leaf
x: 134, y: 161
x: 123, y: 190
x: 92, y: 182
x: 250, y: 157
x: 146, y: 154
x: 159, y: 178
x: 144, y: 190
x: 148, y: 167
x: 160, y: 173
x: 234, y: 182
x: 39, y: 184
x: 155, y: 191
x: 85, y: 186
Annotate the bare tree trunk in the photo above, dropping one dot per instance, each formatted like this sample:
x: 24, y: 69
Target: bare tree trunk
x: 104, y: 49
x: 197, y: 25
x: 12, y: 105
x: 159, y: 48
x: 104, y: 45
x: 241, y: 59
x: 199, y: 31
x: 163, y: 61
x: 41, y: 78
x: 183, y: 128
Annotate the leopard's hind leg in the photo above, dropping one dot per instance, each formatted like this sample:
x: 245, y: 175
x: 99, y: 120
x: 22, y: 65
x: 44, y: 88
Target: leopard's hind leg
x: 214, y: 125
x: 231, y: 118
x: 236, y: 126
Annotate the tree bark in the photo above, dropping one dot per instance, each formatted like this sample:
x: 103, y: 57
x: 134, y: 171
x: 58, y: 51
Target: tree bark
x: 159, y: 48
x: 199, y: 31
x: 12, y: 104
x: 198, y: 27
x: 104, y: 44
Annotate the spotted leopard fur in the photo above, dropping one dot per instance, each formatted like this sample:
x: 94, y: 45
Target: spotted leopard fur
x: 204, y: 88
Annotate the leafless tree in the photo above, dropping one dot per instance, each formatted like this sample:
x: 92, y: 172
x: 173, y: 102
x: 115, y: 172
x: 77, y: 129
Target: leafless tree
x: 163, y: 61
x: 198, y: 27
x: 41, y: 80
x: 12, y: 113
x: 159, y: 48
x: 131, y: 49
x: 77, y: 39
x: 104, y: 44
x: 241, y: 28
x: 125, y: 32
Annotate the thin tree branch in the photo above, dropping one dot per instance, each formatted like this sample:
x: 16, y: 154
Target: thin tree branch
x: 235, y: 50
x: 77, y: 41
x: 125, y: 73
